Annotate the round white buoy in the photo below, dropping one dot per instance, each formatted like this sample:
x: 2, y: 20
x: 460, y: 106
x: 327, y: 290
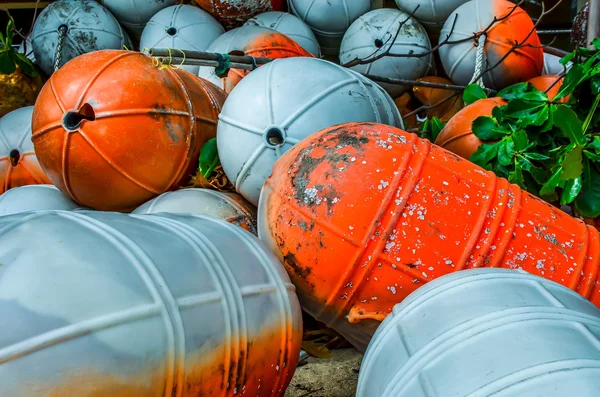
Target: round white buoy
x: 181, y: 27
x: 432, y: 14
x: 35, y: 198
x: 376, y: 33
x: 284, y: 101
x: 88, y: 27
x: 134, y: 14
x: 329, y: 19
x: 466, y: 57
x: 486, y: 332
x: 291, y: 26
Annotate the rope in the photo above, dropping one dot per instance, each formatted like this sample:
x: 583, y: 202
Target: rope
x: 479, y: 62
x: 62, y: 32
x: 224, y: 64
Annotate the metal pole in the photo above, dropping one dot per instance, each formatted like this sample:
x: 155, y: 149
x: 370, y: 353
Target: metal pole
x: 199, y: 58
x: 593, y: 25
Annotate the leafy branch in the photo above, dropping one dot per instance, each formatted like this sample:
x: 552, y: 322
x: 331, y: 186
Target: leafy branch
x: 9, y: 57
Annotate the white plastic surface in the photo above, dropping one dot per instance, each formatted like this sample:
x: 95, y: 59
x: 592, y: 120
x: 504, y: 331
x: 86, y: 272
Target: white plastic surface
x: 182, y: 27
x: 134, y: 14
x: 552, y: 65
x: 230, y: 207
x: 35, y: 198
x: 289, y: 99
x: 109, y: 304
x: 291, y: 26
x: 27, y: 49
x: 329, y: 19
x: 233, y: 40
x: 91, y: 27
x: 373, y: 34
x: 486, y: 333
x: 459, y: 59
x: 431, y: 13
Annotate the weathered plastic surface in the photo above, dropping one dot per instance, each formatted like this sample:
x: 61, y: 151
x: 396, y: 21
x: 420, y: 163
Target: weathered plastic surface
x: 457, y: 135
x: 108, y: 304
x: 255, y: 41
x: 134, y: 14
x: 91, y: 27
x: 373, y: 34
x: 230, y: 207
x: 234, y: 13
x: 458, y: 59
x: 113, y: 131
x: 486, y: 332
x: 432, y: 13
x: 329, y: 19
x: 552, y: 65
x: 18, y: 163
x: 35, y: 198
x: 274, y: 108
x: 27, y: 49
x: 181, y: 27
x: 291, y: 26
x: 363, y: 214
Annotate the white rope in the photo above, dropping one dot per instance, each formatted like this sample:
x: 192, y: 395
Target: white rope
x: 479, y: 62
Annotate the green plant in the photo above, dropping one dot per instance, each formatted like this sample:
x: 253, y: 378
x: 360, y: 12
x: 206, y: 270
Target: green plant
x: 209, y: 158
x: 10, y: 58
x: 551, y: 148
x: 431, y: 128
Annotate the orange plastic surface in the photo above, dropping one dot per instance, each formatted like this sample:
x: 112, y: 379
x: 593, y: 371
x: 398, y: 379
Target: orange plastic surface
x: 526, y: 61
x: 270, y: 45
x: 140, y: 134
x: 457, y: 136
x: 546, y: 83
x: 234, y: 13
x: 19, y: 170
x: 363, y: 214
x: 442, y: 108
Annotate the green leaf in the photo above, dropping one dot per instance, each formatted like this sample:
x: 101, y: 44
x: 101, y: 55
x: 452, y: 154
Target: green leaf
x: 567, y: 58
x: 595, y: 85
x: 10, y: 31
x: 596, y: 43
x: 541, y: 116
x: 535, y: 156
x: 574, y: 77
x: 518, y: 108
x: 484, y: 128
x: 595, y: 143
x: 506, y: 151
x: 549, y: 187
x: 587, y: 202
x: 568, y: 122
x: 521, y: 140
x: 7, y: 65
x: 432, y: 128
x: 534, y: 96
x: 571, y: 190
x: 209, y: 157
x: 484, y: 154
x: 516, y: 176
x: 514, y: 91
x: 572, y: 164
x: 473, y: 93
x: 24, y: 63
x: 591, y: 156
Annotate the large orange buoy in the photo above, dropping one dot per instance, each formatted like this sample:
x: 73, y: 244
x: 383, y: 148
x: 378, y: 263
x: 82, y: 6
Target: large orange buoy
x: 112, y: 130
x: 18, y: 163
x: 254, y: 41
x: 457, y: 136
x: 362, y: 214
x: 507, y: 67
x: 549, y: 84
x: 234, y: 13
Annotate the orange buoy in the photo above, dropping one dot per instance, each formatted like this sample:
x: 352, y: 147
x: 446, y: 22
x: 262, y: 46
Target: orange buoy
x: 254, y: 41
x: 112, y: 130
x: 362, y: 214
x: 18, y: 163
x: 549, y: 85
x: 234, y: 13
x: 457, y: 136
x: 437, y: 98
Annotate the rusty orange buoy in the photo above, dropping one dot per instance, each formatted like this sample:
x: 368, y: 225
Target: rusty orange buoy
x: 113, y: 131
x: 362, y: 214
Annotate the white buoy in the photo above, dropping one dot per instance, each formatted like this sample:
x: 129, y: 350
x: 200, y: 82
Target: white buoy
x: 87, y: 25
x: 431, y: 14
x: 35, y: 198
x: 553, y: 66
x: 181, y: 27
x: 376, y: 33
x: 291, y: 26
x: 329, y: 19
x: 134, y: 14
x: 283, y: 102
